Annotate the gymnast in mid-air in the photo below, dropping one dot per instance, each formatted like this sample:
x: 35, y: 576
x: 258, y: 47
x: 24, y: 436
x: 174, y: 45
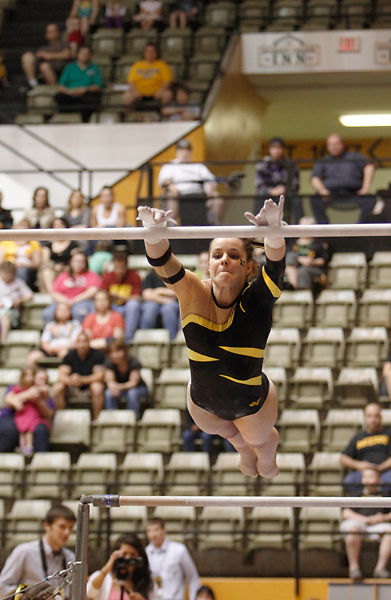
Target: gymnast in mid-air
x: 226, y: 321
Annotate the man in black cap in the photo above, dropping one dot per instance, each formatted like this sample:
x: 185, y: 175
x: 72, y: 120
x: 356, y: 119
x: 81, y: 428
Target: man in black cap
x: 277, y: 174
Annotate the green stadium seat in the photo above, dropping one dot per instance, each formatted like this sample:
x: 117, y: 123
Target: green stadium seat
x: 187, y: 474
x: 141, y: 474
x: 41, y: 99
x: 171, y: 388
x: 299, y: 430
x: 294, y: 309
x: 339, y: 426
x: 29, y: 119
x: 374, y: 309
x: 107, y: 42
x: 48, y: 475
x: 311, y: 388
x: 151, y: 347
x: 7, y: 377
x: 279, y: 377
x: 180, y: 522
x: 221, y: 527
x: 24, y: 522
x: 94, y: 472
x: 269, y: 527
x: 17, y: 347
x: 114, y: 431
x: 71, y: 427
x: 380, y: 270
x: 228, y: 480
x: 71, y: 118
x: 355, y: 387
x: 325, y: 474
x: 283, y: 348
x: 159, y: 430
x: 323, y: 347
x: 291, y: 477
x: 367, y: 347
x: 336, y: 308
x: 347, y: 270
x: 12, y: 469
x: 319, y: 527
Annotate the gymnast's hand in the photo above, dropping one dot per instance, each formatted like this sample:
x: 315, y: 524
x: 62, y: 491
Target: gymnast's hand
x: 155, y: 220
x: 269, y: 215
x: 154, y: 217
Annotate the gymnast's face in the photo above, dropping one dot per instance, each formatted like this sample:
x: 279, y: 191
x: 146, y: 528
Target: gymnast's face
x: 228, y: 262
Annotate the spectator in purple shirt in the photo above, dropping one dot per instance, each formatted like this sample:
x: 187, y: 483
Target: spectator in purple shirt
x: 277, y: 174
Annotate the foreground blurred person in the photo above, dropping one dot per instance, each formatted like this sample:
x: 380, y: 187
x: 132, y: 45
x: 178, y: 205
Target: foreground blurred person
x: 226, y: 322
x: 125, y: 576
x: 371, y: 522
x: 33, y: 561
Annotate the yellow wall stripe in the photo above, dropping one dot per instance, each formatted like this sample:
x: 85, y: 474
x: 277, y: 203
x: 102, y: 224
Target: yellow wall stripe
x: 254, y: 352
x: 193, y: 355
x: 251, y: 381
x: 193, y: 318
x: 270, y: 284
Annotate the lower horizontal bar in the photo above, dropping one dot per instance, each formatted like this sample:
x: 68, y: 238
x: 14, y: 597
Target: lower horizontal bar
x: 109, y: 501
x: 227, y: 231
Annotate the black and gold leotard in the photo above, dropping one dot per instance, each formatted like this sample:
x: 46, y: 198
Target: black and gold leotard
x: 226, y: 345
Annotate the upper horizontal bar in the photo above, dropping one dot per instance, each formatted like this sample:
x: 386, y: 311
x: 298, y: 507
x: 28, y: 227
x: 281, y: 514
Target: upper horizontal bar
x: 109, y: 501
x: 227, y: 231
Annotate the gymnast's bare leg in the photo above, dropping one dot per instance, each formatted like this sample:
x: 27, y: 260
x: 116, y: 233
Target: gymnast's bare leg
x: 254, y: 437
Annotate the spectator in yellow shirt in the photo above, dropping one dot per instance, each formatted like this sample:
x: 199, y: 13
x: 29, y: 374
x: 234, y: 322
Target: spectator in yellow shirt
x: 148, y: 79
x: 26, y: 256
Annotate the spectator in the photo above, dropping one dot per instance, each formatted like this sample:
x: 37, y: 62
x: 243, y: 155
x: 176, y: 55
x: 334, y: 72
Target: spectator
x: 49, y: 60
x: 29, y: 400
x: 124, y: 286
x: 56, y: 257
x: 86, y: 11
x: 159, y: 301
x: 171, y: 563
x: 385, y: 389
x: 123, y: 379
x: 277, y: 174
x: 104, y: 324
x: 342, y: 176
x: 41, y: 214
x: 179, y: 108
x: 101, y: 260
x: 184, y: 11
x: 205, y: 593
x: 148, y: 79
x: 81, y: 372
x: 115, y: 13
x: 150, y: 14
x: 126, y: 571
x: 76, y: 288
x: 26, y: 256
x: 58, y: 336
x: 80, y: 85
x: 9, y: 436
x: 184, y: 182
x: 78, y: 213
x: 307, y: 260
x: 74, y: 34
x: 371, y: 522
x: 13, y: 293
x: 192, y: 433
x: 108, y: 213
x: 32, y: 562
x: 368, y: 449
x: 6, y: 219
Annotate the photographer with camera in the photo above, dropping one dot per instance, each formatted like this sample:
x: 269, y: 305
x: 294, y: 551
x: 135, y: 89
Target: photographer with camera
x: 126, y: 575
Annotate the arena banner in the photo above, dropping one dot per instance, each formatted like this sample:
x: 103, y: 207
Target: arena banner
x: 316, y: 51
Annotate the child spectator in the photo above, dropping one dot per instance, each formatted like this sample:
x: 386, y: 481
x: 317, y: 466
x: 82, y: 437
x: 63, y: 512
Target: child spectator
x: 115, y: 13
x: 307, y: 260
x: 104, y: 324
x: 124, y: 286
x: 74, y: 35
x: 123, y: 378
x: 150, y: 13
x: 29, y: 399
x: 86, y: 11
x: 13, y: 293
x: 184, y: 11
x: 58, y: 336
x: 179, y: 108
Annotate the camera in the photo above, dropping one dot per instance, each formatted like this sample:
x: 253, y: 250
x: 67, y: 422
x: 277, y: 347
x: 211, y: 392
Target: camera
x: 121, y: 564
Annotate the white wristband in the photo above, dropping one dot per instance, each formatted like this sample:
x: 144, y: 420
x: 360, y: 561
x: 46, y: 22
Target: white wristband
x: 275, y: 241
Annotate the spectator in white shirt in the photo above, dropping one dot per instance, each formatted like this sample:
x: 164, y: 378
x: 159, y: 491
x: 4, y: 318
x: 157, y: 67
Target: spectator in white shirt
x: 181, y: 178
x: 170, y: 563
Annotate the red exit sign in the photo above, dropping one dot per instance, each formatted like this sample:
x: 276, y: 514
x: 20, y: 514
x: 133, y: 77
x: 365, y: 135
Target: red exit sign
x: 349, y: 44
